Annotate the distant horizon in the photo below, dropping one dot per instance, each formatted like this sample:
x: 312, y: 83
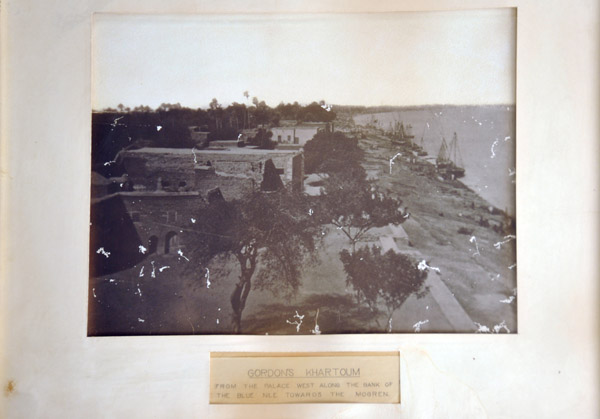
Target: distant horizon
x: 305, y: 104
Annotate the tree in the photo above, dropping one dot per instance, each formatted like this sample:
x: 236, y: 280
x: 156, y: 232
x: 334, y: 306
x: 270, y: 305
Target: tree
x: 332, y: 152
x: 262, y: 139
x: 387, y: 279
x: 269, y: 234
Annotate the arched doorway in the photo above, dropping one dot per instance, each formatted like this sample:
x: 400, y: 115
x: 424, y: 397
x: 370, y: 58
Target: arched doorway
x: 171, y: 242
x: 152, y: 244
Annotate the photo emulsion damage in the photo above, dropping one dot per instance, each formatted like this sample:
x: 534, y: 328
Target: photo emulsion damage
x: 310, y: 174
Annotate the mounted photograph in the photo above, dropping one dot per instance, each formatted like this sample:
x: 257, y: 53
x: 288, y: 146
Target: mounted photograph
x: 303, y: 174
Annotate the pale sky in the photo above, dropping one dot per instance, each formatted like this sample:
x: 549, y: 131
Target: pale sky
x: 458, y: 57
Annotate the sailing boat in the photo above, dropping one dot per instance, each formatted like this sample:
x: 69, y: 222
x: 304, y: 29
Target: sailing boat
x: 449, y: 160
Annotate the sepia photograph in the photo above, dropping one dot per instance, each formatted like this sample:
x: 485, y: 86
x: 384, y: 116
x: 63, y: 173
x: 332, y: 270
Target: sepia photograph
x: 303, y: 174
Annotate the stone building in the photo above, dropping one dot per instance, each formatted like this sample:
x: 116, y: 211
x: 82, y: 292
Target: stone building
x: 236, y: 171
x: 297, y: 134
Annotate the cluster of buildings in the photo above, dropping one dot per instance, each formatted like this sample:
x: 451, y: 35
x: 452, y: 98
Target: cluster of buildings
x: 151, y: 207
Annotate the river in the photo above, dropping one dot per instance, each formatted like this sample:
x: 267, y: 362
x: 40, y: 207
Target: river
x: 486, y: 140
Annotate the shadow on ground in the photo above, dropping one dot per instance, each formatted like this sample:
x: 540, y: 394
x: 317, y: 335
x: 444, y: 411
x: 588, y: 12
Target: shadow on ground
x: 337, y: 313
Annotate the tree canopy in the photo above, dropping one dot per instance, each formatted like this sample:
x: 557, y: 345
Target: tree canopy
x: 270, y: 235
x: 387, y: 279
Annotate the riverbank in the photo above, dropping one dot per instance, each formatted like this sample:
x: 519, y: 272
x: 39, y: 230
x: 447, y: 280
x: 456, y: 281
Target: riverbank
x: 456, y: 229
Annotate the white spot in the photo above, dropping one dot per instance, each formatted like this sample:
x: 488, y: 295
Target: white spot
x: 217, y: 321
x: 511, y: 171
x: 316, y: 330
x: 390, y: 325
x: 481, y: 328
x: 180, y: 253
x: 392, y: 161
x: 153, y: 273
x: 310, y: 212
x: 506, y: 240
x: 111, y: 280
x: 193, y: 220
x: 426, y: 307
x: 163, y: 268
x: 417, y: 325
x: 141, y: 320
x: 142, y: 249
x: 508, y: 300
x: 158, y: 127
x: 424, y: 266
x: 473, y: 239
x: 494, y: 144
x: 103, y: 252
x: 499, y: 327
x: 298, y: 322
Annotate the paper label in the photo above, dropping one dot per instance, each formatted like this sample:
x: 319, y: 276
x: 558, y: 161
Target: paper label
x: 319, y: 377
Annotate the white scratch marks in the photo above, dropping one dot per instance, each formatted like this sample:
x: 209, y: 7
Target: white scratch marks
x: 499, y: 327
x: 180, y: 253
x: 153, y: 273
x: 494, y: 144
x: 298, y: 322
x: 163, y: 268
x: 392, y: 161
x: 473, y: 239
x: 108, y: 163
x: 316, y: 330
x: 417, y: 325
x: 513, y: 266
x: 207, y: 276
x: 139, y: 291
x: 142, y: 249
x: 142, y: 272
x: 424, y: 266
x: 506, y: 240
x: 511, y: 171
x: 508, y: 300
x: 94, y: 292
x: 103, y: 252
x: 195, y: 158
x: 481, y: 328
